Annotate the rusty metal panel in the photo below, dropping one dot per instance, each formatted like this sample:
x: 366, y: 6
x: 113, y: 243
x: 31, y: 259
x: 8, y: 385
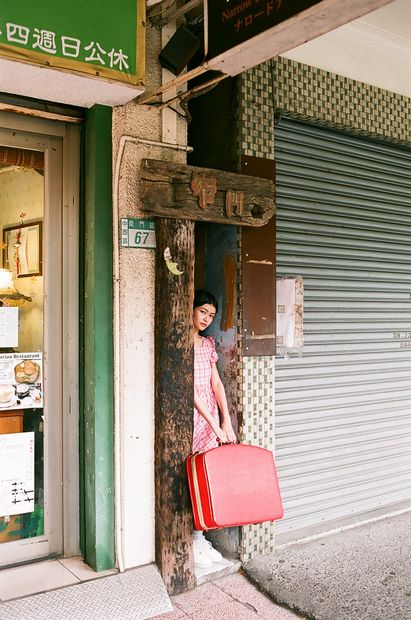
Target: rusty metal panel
x: 258, y: 273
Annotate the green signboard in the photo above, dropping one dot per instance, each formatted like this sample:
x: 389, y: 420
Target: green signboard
x: 104, y: 39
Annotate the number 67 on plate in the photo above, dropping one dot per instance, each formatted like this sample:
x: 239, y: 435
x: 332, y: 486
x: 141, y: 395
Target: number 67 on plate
x: 138, y: 233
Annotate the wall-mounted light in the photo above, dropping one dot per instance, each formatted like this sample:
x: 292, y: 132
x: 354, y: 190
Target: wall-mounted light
x: 9, y: 296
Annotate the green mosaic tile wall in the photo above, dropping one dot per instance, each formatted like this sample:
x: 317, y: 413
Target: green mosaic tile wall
x: 256, y: 112
x: 258, y: 429
x: 264, y: 92
x: 313, y: 94
x: 341, y: 102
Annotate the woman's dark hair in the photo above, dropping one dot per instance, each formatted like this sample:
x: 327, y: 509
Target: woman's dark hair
x: 202, y: 296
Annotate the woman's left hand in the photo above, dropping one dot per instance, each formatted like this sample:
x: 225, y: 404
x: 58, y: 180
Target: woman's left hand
x: 229, y: 431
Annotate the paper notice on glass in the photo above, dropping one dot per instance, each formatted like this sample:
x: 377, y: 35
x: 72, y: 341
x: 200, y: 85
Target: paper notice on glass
x: 16, y: 473
x: 290, y: 293
x: 9, y: 327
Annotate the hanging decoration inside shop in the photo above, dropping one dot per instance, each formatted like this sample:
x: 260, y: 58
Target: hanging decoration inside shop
x: 289, y: 323
x: 22, y: 158
x: 22, y: 248
x: 172, y: 267
x: 201, y: 194
x: 9, y: 295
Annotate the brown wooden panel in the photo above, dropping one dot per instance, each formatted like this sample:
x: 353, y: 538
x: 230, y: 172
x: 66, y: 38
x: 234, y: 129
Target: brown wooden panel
x: 11, y: 422
x: 258, y: 273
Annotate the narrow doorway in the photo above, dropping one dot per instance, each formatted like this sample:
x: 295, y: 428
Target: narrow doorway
x: 216, y: 270
x: 38, y: 339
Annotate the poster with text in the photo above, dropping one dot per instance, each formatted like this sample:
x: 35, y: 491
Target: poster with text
x: 16, y: 473
x: 21, y: 376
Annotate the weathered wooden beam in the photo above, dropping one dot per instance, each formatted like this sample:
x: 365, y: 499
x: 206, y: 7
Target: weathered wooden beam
x: 174, y: 403
x: 258, y: 274
x: 204, y: 194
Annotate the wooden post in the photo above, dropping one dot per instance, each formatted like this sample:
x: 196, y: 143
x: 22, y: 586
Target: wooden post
x: 174, y: 403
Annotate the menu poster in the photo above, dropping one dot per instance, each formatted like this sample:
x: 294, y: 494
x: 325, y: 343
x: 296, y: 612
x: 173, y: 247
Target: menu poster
x: 21, y: 376
x: 16, y: 473
x: 9, y: 325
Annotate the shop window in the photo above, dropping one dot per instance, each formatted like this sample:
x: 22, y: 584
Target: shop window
x: 21, y: 344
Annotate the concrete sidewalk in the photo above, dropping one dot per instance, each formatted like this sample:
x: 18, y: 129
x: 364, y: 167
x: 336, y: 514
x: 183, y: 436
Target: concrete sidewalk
x: 363, y: 573
x: 228, y: 598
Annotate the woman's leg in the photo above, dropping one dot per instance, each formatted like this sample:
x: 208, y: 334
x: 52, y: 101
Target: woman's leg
x: 205, y: 548
x: 201, y: 557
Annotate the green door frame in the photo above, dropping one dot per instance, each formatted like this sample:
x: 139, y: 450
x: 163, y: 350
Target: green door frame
x: 96, y: 356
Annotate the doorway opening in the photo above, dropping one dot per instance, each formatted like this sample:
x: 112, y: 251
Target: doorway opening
x: 216, y: 270
x: 38, y: 339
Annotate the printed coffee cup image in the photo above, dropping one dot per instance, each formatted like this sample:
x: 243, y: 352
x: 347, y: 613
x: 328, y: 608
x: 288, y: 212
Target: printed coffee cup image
x: 6, y: 393
x: 22, y: 390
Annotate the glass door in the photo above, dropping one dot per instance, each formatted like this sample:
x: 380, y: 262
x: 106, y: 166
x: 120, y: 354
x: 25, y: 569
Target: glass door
x: 31, y: 350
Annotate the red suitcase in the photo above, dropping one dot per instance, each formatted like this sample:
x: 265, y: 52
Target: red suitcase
x: 234, y: 484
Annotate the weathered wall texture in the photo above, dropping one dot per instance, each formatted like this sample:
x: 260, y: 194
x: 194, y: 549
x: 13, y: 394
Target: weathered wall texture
x: 137, y: 317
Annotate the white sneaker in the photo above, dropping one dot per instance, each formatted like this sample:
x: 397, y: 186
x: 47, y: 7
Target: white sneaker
x: 208, y: 550
x: 201, y: 559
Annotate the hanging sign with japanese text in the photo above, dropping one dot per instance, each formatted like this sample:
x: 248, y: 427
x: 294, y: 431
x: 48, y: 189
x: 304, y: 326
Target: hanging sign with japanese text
x: 240, y: 34
x: 234, y: 21
x: 105, y: 40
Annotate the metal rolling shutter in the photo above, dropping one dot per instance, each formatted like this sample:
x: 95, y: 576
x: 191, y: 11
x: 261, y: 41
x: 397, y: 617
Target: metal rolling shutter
x: 343, y: 409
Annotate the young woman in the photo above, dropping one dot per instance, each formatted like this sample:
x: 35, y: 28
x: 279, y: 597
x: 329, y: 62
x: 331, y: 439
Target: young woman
x: 209, y: 403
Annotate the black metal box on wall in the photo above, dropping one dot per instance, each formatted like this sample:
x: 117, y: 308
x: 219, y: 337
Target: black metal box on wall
x: 180, y: 49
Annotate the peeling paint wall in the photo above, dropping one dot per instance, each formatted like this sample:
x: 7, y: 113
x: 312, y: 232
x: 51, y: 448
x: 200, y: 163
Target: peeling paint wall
x: 137, y: 273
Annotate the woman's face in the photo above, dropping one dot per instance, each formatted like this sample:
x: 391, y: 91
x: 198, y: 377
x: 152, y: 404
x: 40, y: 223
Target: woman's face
x: 203, y: 316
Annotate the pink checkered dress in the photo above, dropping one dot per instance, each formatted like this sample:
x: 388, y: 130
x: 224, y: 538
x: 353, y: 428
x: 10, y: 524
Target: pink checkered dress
x: 204, y: 358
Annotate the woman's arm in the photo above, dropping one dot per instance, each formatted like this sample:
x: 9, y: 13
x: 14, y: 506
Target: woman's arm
x: 220, y: 396
x: 202, y: 410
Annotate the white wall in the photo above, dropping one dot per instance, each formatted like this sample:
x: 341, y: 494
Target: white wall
x: 22, y: 190
x: 62, y: 86
x: 137, y: 321
x: 375, y: 49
